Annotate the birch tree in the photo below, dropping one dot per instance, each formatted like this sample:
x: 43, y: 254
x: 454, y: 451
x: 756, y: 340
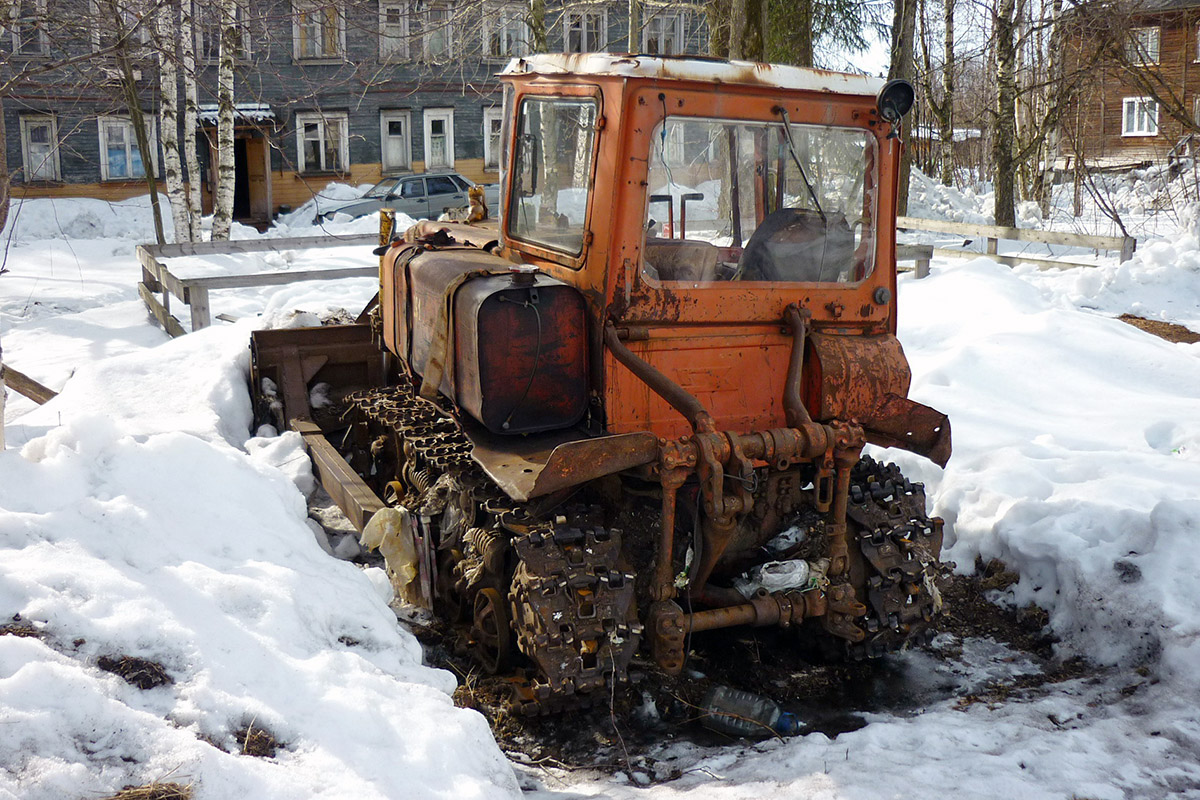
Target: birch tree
x: 168, y: 76
x: 226, y: 173
x: 191, y: 115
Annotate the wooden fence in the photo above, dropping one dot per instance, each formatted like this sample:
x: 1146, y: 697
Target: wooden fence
x: 193, y: 292
x: 993, y: 234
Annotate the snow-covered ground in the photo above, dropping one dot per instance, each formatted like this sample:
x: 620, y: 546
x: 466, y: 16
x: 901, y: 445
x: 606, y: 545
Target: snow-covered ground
x: 139, y: 517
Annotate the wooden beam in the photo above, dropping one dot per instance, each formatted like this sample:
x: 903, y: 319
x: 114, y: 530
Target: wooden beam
x: 347, y: 489
x: 160, y: 313
x: 278, y: 278
x: 1012, y: 261
x: 22, y: 384
x: 159, y: 252
x: 971, y: 231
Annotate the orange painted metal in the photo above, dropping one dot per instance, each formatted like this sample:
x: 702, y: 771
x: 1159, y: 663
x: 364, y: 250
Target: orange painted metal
x: 726, y: 343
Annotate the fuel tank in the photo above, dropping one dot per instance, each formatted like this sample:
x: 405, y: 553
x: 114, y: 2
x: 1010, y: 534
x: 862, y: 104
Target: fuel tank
x: 510, y: 347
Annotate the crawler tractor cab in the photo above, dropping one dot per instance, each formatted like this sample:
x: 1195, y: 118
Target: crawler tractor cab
x: 688, y: 310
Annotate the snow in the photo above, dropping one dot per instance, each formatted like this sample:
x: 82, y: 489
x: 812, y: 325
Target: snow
x: 139, y: 517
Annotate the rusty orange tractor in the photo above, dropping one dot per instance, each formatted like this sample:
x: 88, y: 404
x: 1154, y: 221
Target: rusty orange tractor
x: 634, y: 410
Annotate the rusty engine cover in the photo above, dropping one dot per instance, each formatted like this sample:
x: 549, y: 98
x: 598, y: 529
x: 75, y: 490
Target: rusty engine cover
x: 516, y: 345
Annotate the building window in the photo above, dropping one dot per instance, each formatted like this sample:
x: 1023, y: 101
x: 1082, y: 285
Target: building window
x: 120, y: 158
x: 663, y: 35
x: 437, y: 31
x: 111, y: 20
x: 393, y: 30
x: 1142, y: 46
x: 318, y: 30
x: 505, y: 31
x: 439, y: 138
x: 28, y: 25
x: 1139, y: 116
x: 323, y: 142
x: 395, y: 141
x: 39, y: 147
x: 585, y: 31
x: 207, y: 17
x: 493, y: 122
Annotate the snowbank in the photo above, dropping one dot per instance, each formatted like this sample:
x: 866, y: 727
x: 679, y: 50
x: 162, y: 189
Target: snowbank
x: 138, y: 526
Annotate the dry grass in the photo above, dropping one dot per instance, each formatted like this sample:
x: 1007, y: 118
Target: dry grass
x: 258, y: 742
x: 154, y: 791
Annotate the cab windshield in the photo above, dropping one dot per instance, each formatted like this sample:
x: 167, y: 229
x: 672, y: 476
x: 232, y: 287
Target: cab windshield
x: 729, y: 200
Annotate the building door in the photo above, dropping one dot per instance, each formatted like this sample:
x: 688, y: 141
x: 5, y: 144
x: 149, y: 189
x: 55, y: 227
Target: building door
x: 439, y: 139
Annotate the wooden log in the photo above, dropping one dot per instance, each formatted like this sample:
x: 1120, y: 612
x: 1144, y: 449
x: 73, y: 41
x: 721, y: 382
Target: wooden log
x: 24, y: 385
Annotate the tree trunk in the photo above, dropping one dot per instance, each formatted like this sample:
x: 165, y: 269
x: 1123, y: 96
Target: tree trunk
x: 191, y: 117
x: 904, y: 23
x: 804, y: 33
x: 635, y: 26
x: 5, y: 176
x: 737, y: 29
x: 138, y: 120
x: 169, y: 123
x: 946, y: 120
x: 226, y: 173
x: 1003, y: 131
x: 537, y: 26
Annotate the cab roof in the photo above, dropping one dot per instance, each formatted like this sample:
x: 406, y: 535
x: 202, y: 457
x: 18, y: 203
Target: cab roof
x: 685, y: 68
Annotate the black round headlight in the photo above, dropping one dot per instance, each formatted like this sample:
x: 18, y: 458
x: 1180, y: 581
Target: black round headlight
x: 896, y: 99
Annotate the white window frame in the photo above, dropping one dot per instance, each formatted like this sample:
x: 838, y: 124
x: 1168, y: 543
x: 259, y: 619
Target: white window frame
x: 429, y: 28
x: 50, y: 163
x: 1142, y: 46
x: 300, y: 11
x: 429, y: 115
x: 321, y: 120
x: 1144, y: 123
x: 17, y: 25
x: 206, y: 18
x: 505, y: 31
x: 386, y: 117
x: 105, y: 124
x: 659, y: 26
x: 394, y: 36
x: 492, y: 117
x: 593, y: 22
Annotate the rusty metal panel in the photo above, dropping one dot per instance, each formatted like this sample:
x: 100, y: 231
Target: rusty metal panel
x: 846, y: 377
x: 521, y: 353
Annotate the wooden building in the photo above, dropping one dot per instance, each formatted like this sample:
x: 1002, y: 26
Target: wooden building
x: 1140, y: 101
x: 326, y: 90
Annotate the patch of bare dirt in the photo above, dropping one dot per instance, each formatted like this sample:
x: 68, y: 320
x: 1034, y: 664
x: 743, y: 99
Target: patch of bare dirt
x: 623, y: 729
x: 1164, y: 330
x: 257, y: 741
x: 19, y: 627
x: 140, y: 672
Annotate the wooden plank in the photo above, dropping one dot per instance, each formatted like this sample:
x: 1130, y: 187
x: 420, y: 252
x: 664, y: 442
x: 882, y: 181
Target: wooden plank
x: 278, y: 278
x: 182, y: 249
x: 160, y: 313
x: 22, y: 384
x: 972, y: 231
x: 198, y: 302
x: 1012, y: 261
x: 347, y: 489
x: 919, y: 253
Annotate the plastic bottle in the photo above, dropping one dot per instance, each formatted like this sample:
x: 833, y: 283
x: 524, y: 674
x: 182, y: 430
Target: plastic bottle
x: 738, y: 713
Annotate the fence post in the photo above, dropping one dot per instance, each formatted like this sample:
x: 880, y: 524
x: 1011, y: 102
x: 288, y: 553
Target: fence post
x: 991, y: 246
x: 1127, y: 248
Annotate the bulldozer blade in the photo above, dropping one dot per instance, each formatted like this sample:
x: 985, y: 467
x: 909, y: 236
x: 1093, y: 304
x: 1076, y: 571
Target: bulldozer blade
x: 900, y: 422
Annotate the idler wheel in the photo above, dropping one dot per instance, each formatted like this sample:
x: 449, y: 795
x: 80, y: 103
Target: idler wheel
x: 490, y: 633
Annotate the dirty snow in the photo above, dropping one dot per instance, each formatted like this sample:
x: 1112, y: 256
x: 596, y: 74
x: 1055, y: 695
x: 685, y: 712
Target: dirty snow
x: 138, y: 517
